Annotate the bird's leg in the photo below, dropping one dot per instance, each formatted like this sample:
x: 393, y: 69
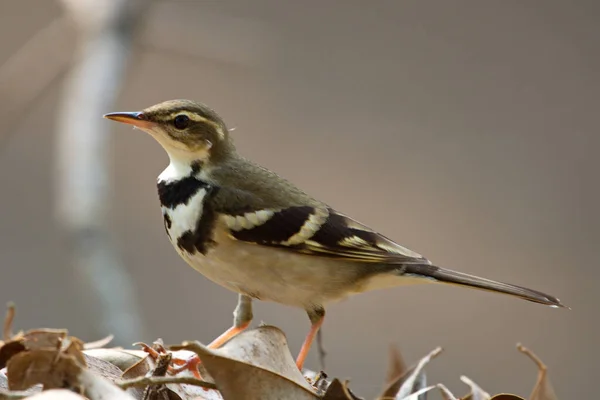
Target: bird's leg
x: 316, y: 315
x: 321, y: 349
x: 242, y: 316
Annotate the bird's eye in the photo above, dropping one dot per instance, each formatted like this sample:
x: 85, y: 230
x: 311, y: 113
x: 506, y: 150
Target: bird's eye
x: 181, y: 121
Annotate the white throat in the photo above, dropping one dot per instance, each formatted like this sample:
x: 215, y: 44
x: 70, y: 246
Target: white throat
x: 175, y: 171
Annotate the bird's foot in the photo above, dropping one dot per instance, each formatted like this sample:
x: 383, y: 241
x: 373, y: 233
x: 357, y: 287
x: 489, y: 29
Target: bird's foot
x: 177, y: 365
x: 191, y: 364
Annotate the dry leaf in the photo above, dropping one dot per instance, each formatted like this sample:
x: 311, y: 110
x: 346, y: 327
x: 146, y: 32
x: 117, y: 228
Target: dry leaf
x: 42, y: 366
x: 477, y: 393
x: 413, y: 379
x: 98, y: 343
x: 103, y: 368
x: 256, y: 364
x: 543, y: 389
x: 9, y: 350
x: 57, y: 370
x: 121, y: 358
x: 44, y: 338
x: 396, y: 369
x: 98, y: 388
x: 182, y: 390
x: 8, y: 322
x: 446, y: 393
x: 4, y: 387
x: 266, y: 347
x: 339, y: 391
x: 48, y: 339
x: 420, y: 394
x: 56, y: 394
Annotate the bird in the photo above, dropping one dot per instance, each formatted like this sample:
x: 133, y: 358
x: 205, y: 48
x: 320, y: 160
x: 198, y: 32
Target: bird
x: 257, y: 234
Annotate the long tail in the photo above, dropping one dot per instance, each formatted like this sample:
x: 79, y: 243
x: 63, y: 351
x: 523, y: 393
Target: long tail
x: 442, y: 275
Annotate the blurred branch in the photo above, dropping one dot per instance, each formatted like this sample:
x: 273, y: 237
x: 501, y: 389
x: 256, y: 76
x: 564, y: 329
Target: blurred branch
x: 162, y: 380
x: 83, y: 190
x: 26, y: 75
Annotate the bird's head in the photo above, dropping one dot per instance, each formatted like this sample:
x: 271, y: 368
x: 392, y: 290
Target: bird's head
x: 188, y: 131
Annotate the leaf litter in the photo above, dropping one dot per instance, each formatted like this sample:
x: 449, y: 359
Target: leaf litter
x: 49, y: 364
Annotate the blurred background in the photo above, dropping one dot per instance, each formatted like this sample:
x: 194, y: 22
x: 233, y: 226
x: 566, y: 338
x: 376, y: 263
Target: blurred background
x: 465, y: 130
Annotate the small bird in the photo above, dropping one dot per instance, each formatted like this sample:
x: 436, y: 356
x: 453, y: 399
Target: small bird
x: 255, y: 233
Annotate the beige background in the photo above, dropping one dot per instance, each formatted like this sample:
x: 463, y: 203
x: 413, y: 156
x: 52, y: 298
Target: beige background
x: 465, y: 130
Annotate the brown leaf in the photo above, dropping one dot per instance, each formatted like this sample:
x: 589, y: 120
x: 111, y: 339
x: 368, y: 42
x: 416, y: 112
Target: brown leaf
x: 44, y: 338
x: 396, y: 369
x: 51, y: 339
x: 4, y: 388
x: 73, y: 347
x: 41, y: 366
x: 9, y: 350
x: 543, y: 389
x: 256, y: 364
x: 339, y: 391
x: 8, y: 322
x: 477, y: 393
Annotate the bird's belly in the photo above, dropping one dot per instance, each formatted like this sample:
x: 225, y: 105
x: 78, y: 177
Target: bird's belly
x: 272, y: 274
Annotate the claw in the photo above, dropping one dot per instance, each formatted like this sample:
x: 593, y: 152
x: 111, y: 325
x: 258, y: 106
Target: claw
x: 191, y: 364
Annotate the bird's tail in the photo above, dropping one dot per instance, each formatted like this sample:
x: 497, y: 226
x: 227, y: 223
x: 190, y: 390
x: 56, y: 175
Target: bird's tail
x: 442, y: 275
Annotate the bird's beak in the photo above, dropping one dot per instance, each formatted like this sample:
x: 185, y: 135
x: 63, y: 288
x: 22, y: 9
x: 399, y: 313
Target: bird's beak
x: 136, y: 119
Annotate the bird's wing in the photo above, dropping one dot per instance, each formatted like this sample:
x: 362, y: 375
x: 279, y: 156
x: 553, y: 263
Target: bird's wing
x: 319, y: 231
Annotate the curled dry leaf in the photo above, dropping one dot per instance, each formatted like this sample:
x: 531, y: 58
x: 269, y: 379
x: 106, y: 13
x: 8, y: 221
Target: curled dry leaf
x: 446, y: 393
x: 121, y: 358
x: 6, y: 393
x: 103, y: 368
x: 49, y: 339
x: 422, y: 393
x: 265, y: 347
x: 339, y: 391
x: 57, y: 370
x: 51, y: 358
x: 256, y: 364
x: 44, y: 338
x: 396, y: 369
x: 98, y: 388
x: 99, y: 343
x: 477, y: 393
x: 8, y: 322
x: 56, y: 394
x: 543, y: 389
x: 8, y: 350
x: 412, y: 381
